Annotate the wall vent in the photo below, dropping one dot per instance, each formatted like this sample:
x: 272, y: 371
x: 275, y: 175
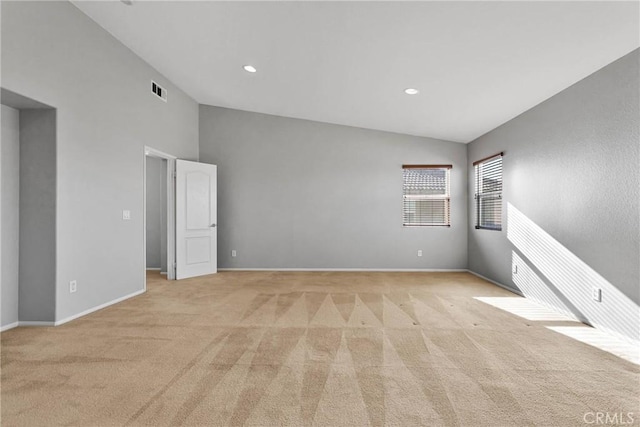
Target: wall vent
x: 159, y: 91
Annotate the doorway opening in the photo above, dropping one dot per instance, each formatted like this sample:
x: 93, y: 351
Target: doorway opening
x: 159, y: 214
x: 28, y: 211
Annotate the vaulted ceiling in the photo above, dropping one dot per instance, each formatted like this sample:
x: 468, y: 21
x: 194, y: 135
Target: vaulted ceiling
x: 476, y: 64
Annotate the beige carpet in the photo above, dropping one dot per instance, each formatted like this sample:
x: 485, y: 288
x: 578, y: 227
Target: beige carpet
x: 330, y: 349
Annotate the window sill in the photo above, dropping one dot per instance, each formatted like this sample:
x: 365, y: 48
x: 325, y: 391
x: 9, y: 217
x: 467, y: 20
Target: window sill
x: 488, y: 228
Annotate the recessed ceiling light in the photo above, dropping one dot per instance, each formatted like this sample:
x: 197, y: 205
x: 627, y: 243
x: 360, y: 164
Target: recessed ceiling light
x: 411, y: 91
x: 250, y: 68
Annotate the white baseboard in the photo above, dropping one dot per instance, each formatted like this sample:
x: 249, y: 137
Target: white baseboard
x: 152, y: 269
x: 26, y: 323
x: 630, y: 340
x: 99, y: 307
x: 70, y: 318
x: 355, y: 270
x: 9, y: 326
x: 163, y: 273
x: 594, y: 325
x: 505, y: 287
x: 91, y: 310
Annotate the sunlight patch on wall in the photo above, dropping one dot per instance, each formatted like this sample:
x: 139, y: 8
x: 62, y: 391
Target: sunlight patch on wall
x: 525, y: 308
x: 532, y: 286
x: 601, y: 340
x: 573, y: 278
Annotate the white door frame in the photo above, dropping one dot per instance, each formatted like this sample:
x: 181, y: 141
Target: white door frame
x: 171, y: 221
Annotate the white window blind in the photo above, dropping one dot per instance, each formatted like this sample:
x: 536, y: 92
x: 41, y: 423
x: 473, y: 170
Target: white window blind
x: 426, y: 195
x: 488, y: 196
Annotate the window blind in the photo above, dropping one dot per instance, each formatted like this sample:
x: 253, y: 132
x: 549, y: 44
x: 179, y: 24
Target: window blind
x: 488, y: 194
x: 426, y: 195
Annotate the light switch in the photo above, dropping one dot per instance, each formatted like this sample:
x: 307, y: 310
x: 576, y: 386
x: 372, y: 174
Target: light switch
x: 126, y: 214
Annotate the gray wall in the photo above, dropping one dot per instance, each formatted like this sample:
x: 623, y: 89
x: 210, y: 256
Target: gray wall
x: 37, y: 215
x: 106, y: 114
x: 301, y: 194
x: 157, y: 213
x: 571, y: 196
x: 10, y: 181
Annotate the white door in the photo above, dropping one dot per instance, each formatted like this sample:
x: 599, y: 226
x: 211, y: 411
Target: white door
x: 196, y: 216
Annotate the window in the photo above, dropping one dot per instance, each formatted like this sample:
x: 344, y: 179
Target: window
x: 426, y: 198
x: 488, y: 196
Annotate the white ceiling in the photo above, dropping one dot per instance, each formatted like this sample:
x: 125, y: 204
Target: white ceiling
x: 476, y: 64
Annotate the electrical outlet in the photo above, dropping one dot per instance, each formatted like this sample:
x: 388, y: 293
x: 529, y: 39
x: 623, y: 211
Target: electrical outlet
x: 419, y: 252
x: 73, y: 286
x: 596, y: 294
x: 233, y: 253
x: 126, y: 214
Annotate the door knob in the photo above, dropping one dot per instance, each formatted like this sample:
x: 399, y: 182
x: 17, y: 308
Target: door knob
x: 213, y: 225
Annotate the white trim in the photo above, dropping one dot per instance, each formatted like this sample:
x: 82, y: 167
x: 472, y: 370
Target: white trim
x: 152, y: 152
x: 153, y: 269
x: 70, y: 318
x: 96, y: 308
x: 144, y: 215
x: 9, y: 326
x: 382, y: 270
x: 171, y: 219
x: 29, y: 323
x: 163, y: 273
x: 508, y: 288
